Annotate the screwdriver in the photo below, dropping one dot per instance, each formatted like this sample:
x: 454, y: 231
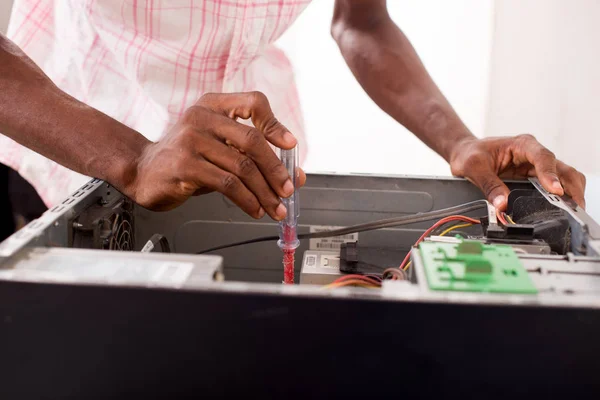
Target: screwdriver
x: 288, y: 236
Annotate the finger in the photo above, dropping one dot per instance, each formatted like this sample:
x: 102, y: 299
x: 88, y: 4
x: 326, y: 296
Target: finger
x: 301, y: 177
x: 543, y: 161
x: 480, y: 172
x: 245, y: 169
x: 254, y: 105
x: 573, y: 181
x: 254, y: 145
x: 208, y: 175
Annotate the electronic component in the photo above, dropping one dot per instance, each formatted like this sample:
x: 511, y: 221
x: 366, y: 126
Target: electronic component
x: 355, y: 259
x: 471, y: 266
x: 390, y: 307
x: 97, y: 267
x: 320, y: 267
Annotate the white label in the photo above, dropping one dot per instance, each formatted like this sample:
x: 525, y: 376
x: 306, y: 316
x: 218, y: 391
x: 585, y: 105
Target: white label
x: 330, y: 243
x: 148, y: 247
x: 311, y: 261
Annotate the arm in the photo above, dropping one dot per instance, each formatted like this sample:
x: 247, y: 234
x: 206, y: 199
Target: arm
x: 388, y: 68
x: 38, y: 115
x: 206, y: 151
x: 390, y: 71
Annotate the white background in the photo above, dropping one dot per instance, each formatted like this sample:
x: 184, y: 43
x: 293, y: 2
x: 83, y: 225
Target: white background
x: 507, y: 66
x: 346, y: 130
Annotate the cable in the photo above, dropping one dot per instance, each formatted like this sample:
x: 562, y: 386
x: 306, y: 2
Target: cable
x: 444, y: 233
x: 154, y: 241
x: 501, y: 218
x: 395, y: 273
x: 364, y: 278
x: 399, y: 274
x: 453, y: 228
x: 406, y: 263
x: 352, y: 282
x: 508, y: 217
x: 369, y: 226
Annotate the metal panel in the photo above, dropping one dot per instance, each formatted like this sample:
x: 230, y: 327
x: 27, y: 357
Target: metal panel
x: 327, y: 200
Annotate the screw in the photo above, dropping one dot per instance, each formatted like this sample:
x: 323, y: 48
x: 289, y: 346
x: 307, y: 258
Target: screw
x: 77, y: 225
x: 56, y: 223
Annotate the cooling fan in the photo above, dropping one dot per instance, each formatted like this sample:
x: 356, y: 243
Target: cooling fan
x: 107, y: 226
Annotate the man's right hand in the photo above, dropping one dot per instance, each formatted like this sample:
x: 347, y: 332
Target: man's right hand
x: 207, y: 150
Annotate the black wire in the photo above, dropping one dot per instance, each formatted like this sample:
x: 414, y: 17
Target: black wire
x: 369, y: 226
x: 226, y: 246
x: 159, y: 240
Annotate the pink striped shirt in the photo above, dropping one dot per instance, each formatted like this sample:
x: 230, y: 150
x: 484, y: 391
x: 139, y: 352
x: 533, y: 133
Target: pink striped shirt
x: 143, y: 62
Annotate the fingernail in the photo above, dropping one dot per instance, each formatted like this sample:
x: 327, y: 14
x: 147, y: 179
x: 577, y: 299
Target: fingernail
x: 261, y: 213
x: 499, y: 201
x: 289, y: 138
x: 280, y: 211
x: 288, y: 187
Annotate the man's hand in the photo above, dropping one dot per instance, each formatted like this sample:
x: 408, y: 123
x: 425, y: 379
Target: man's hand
x: 485, y: 161
x: 207, y: 150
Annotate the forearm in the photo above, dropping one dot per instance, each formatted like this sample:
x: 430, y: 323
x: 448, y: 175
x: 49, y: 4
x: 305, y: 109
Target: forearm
x: 390, y: 71
x: 37, y: 114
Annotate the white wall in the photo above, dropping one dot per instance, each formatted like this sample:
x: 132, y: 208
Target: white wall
x: 5, y: 7
x: 545, y: 80
x: 508, y: 67
x: 346, y: 130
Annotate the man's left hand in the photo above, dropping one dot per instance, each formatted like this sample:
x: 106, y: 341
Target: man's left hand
x: 485, y: 161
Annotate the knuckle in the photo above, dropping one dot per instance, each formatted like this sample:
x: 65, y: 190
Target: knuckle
x: 490, y: 185
x: 544, y: 152
x: 526, y: 137
x: 258, y: 98
x: 271, y: 125
x: 253, y: 138
x: 572, y: 172
x: 206, y: 98
x: 187, y: 131
x: 194, y: 115
x: 229, y: 183
x: 187, y: 188
x: 277, y: 168
x: 457, y: 169
x: 245, y: 166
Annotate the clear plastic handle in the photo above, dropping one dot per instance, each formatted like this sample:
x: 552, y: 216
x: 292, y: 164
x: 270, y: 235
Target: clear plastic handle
x: 288, y: 237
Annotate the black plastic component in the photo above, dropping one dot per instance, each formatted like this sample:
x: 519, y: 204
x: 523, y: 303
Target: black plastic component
x: 550, y: 223
x: 349, y: 252
x: 537, y: 220
x: 518, y: 232
x: 367, y: 260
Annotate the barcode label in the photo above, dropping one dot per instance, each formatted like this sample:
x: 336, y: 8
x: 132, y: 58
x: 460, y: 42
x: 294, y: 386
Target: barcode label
x: 332, y: 243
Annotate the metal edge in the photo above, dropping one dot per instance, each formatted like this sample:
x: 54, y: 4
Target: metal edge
x: 36, y: 230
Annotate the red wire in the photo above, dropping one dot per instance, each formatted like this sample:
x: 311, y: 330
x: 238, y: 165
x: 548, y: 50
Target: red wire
x: 442, y: 221
x: 434, y: 226
x: 501, y: 218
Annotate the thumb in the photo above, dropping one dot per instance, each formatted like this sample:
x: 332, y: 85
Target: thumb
x: 495, y: 191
